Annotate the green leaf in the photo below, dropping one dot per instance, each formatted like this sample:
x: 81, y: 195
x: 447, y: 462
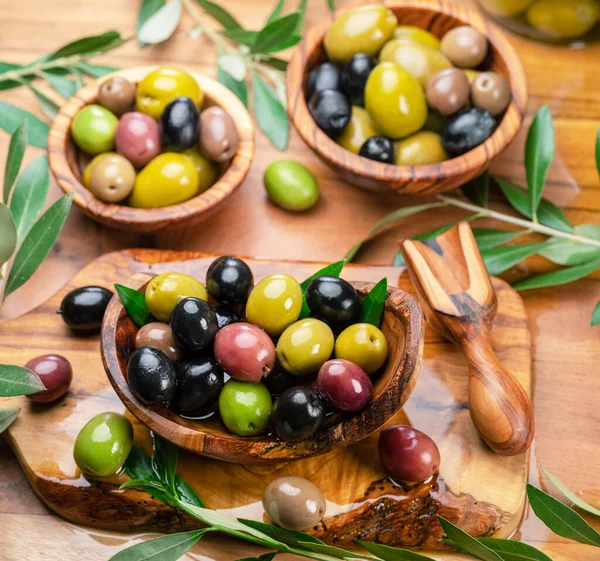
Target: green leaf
x: 500, y: 259
x: 186, y: 494
x: 276, y: 11
x: 275, y: 62
x: 331, y: 550
x: 275, y: 33
x: 478, y: 190
x: 161, y: 25
x: 373, y: 305
x: 556, y: 278
x: 14, y: 159
x: 153, y: 488
x: 387, y: 553
x: 539, y: 152
x: 331, y: 270
x: 236, y: 86
x: 165, y: 548
x: 220, y: 14
x: 16, y: 380
x: 64, y: 86
x: 87, y: 45
x: 139, y: 465
x: 12, y: 117
x: 38, y: 243
x: 263, y: 557
x: 78, y: 78
x: 331, y: 5
x: 29, y: 195
x: 134, y: 303
x: 7, y: 417
x: 512, y: 550
x: 242, y: 36
x: 95, y: 70
x: 147, y: 10
x: 570, y: 495
x: 302, y: 11
x: 48, y: 106
x: 488, y: 238
x: 561, y: 519
x: 567, y: 252
x: 270, y: 114
x: 292, y: 40
x: 288, y: 537
x: 8, y: 239
x: 8, y: 67
x: 466, y: 542
x: 596, y: 315
x: 164, y: 462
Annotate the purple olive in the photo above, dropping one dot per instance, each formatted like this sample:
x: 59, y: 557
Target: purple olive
x: 137, y: 138
x: 408, y: 454
x: 56, y: 374
x: 245, y: 352
x: 345, y: 385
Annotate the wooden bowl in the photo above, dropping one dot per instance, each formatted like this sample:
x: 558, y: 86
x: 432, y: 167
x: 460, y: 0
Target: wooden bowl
x: 67, y: 162
x: 402, y: 325
x: 438, y: 17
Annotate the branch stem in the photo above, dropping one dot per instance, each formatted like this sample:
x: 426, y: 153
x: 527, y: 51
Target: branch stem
x: 213, y: 35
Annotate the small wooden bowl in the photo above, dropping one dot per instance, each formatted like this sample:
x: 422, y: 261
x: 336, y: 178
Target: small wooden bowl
x: 67, y: 162
x: 402, y: 325
x: 438, y: 17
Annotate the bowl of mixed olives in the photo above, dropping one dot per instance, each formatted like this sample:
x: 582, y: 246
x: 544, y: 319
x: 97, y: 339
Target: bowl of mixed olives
x: 260, y: 372
x: 417, y: 96
x: 152, y: 148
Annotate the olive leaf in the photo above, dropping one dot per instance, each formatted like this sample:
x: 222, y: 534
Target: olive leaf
x: 332, y: 270
x: 371, y: 308
x: 12, y: 117
x: 164, y: 462
x: 500, y: 259
x: 511, y: 550
x: 331, y: 5
x: 288, y: 537
x: 596, y: 315
x: 276, y: 33
x: 556, y: 278
x: 488, y: 238
x: 95, y: 70
x: 49, y: 107
x: 64, y: 86
x: 87, y: 45
x: 134, y: 303
x: 161, y: 25
x: 270, y: 114
x: 220, y: 14
x: 276, y: 62
x: 8, y: 67
x: 242, y: 36
x: 263, y: 557
x: 478, y: 190
x: 238, y: 87
x: 165, y: 548
x: 387, y: 553
x: 567, y: 252
x: 14, y: 159
x: 302, y: 11
x: 578, y: 501
x: 147, y: 9
x: 7, y: 417
x: 8, y: 239
x: 17, y: 380
x: 276, y: 11
x: 466, y: 542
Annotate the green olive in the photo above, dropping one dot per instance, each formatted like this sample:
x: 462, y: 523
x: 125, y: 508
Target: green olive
x: 565, y: 19
x: 363, y: 344
x: 420, y: 149
x: 364, y: 29
x: 103, y: 444
x: 505, y: 8
x: 207, y: 170
x: 87, y: 171
x: 93, y: 129
x: 357, y: 131
x: 245, y: 407
x: 164, y: 291
x: 435, y: 122
x: 291, y: 185
x: 417, y: 34
x: 305, y: 346
x: 395, y: 100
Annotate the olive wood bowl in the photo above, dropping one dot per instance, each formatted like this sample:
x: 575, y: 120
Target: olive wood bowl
x: 402, y: 325
x: 67, y: 162
x: 438, y: 17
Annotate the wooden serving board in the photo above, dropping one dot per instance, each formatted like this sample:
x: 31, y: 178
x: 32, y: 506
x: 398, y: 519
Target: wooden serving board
x: 478, y: 490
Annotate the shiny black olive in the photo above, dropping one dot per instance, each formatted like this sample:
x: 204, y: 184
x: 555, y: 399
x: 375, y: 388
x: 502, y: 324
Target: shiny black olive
x: 199, y: 383
x: 466, y: 130
x: 229, y: 280
x: 151, y: 376
x: 330, y: 110
x: 354, y: 77
x: 83, y: 308
x: 226, y: 316
x: 333, y: 300
x: 299, y: 415
x: 180, y: 124
x: 194, y: 324
x: 378, y: 148
x: 326, y: 76
x: 279, y: 380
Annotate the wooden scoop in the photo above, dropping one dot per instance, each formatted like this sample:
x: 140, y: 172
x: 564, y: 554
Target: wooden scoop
x: 460, y: 303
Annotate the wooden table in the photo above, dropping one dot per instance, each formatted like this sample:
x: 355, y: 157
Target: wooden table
x: 566, y: 351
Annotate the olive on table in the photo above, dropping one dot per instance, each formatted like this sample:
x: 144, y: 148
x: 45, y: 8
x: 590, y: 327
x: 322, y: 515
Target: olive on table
x: 158, y: 335
x: 358, y: 131
x: 333, y: 300
x: 226, y: 316
x: 490, y: 91
x: 205, y: 168
x: 448, y: 91
x: 199, y: 384
x: 274, y: 303
x: 83, y: 309
x: 229, y: 280
x: 56, y: 374
x: 294, y: 503
x: 304, y: 346
x: 93, y: 129
x: 180, y: 124
x: 344, y: 385
x: 408, y: 454
x: 112, y: 178
x: 331, y: 111
x: 164, y: 291
x: 137, y: 138
x: 464, y: 46
x: 326, y: 76
x: 299, y: 414
x: 87, y: 171
x: 413, y: 33
x: 103, y: 444
x: 364, y: 345
x: 378, y: 148
x: 194, y: 324
x: 506, y: 8
x: 420, y: 149
x: 219, y: 137
x: 291, y: 186
x: 245, y: 407
x: 151, y: 376
x: 564, y: 19
x: 354, y: 77
x: 117, y: 94
x: 466, y: 130
x: 245, y: 352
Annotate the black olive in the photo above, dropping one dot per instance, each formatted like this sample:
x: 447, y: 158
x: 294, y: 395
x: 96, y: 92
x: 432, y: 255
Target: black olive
x: 466, y: 130
x: 83, y: 308
x: 226, y: 316
x: 199, y: 383
x: 354, y: 77
x: 229, y: 280
x: 194, y: 324
x: 299, y: 414
x: 151, y: 376
x: 378, y: 148
x: 333, y: 300
x: 180, y: 124
x: 279, y: 380
x: 326, y: 76
x: 330, y: 110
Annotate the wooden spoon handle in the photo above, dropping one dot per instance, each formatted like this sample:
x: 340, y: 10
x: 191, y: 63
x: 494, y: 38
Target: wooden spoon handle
x: 500, y: 409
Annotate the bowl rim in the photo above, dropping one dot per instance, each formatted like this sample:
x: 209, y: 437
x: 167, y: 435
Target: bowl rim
x: 254, y: 450
x: 477, y: 159
x: 140, y: 219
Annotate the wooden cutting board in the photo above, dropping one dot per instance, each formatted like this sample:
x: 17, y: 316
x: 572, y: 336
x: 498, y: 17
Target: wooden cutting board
x: 478, y: 490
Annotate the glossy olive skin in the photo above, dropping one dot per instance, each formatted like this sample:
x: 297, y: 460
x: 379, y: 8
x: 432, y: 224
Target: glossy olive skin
x: 564, y: 19
x: 219, y: 137
x: 180, y: 124
x: 299, y: 414
x: 420, y: 149
x: 229, y: 280
x: 326, y: 76
x: 274, y: 303
x: 226, y: 316
x: 331, y: 111
x: 413, y: 33
x: 358, y: 131
x: 206, y: 170
x: 199, y: 384
x: 117, y: 94
x: 448, y: 91
x: 344, y: 385
x: 83, y: 309
x: 280, y: 380
x: 159, y: 336
x: 333, y: 300
x: 490, y: 91
x: 151, y: 376
x: 103, y: 444
x: 112, y: 178
x: 304, y: 346
x: 245, y: 407
x: 464, y: 46
x: 137, y: 138
x: 93, y: 129
x: 408, y: 454
x: 364, y: 345
x: 466, y: 130
x: 194, y: 325
x: 56, y: 374
x: 164, y: 291
x: 291, y: 186
x: 87, y: 171
x: 435, y: 122
x: 506, y: 7
x: 354, y: 77
x: 378, y: 148
x: 294, y: 503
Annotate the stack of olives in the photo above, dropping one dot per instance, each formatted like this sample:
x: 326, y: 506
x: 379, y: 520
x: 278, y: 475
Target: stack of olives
x: 397, y: 94
x: 249, y: 346
x: 153, y: 144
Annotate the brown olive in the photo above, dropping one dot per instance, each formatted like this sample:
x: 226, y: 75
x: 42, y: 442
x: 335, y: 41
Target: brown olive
x: 294, y: 503
x: 117, y: 95
x: 112, y: 178
x: 159, y: 336
x: 490, y: 91
x: 465, y: 46
x: 218, y: 134
x: 448, y: 91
